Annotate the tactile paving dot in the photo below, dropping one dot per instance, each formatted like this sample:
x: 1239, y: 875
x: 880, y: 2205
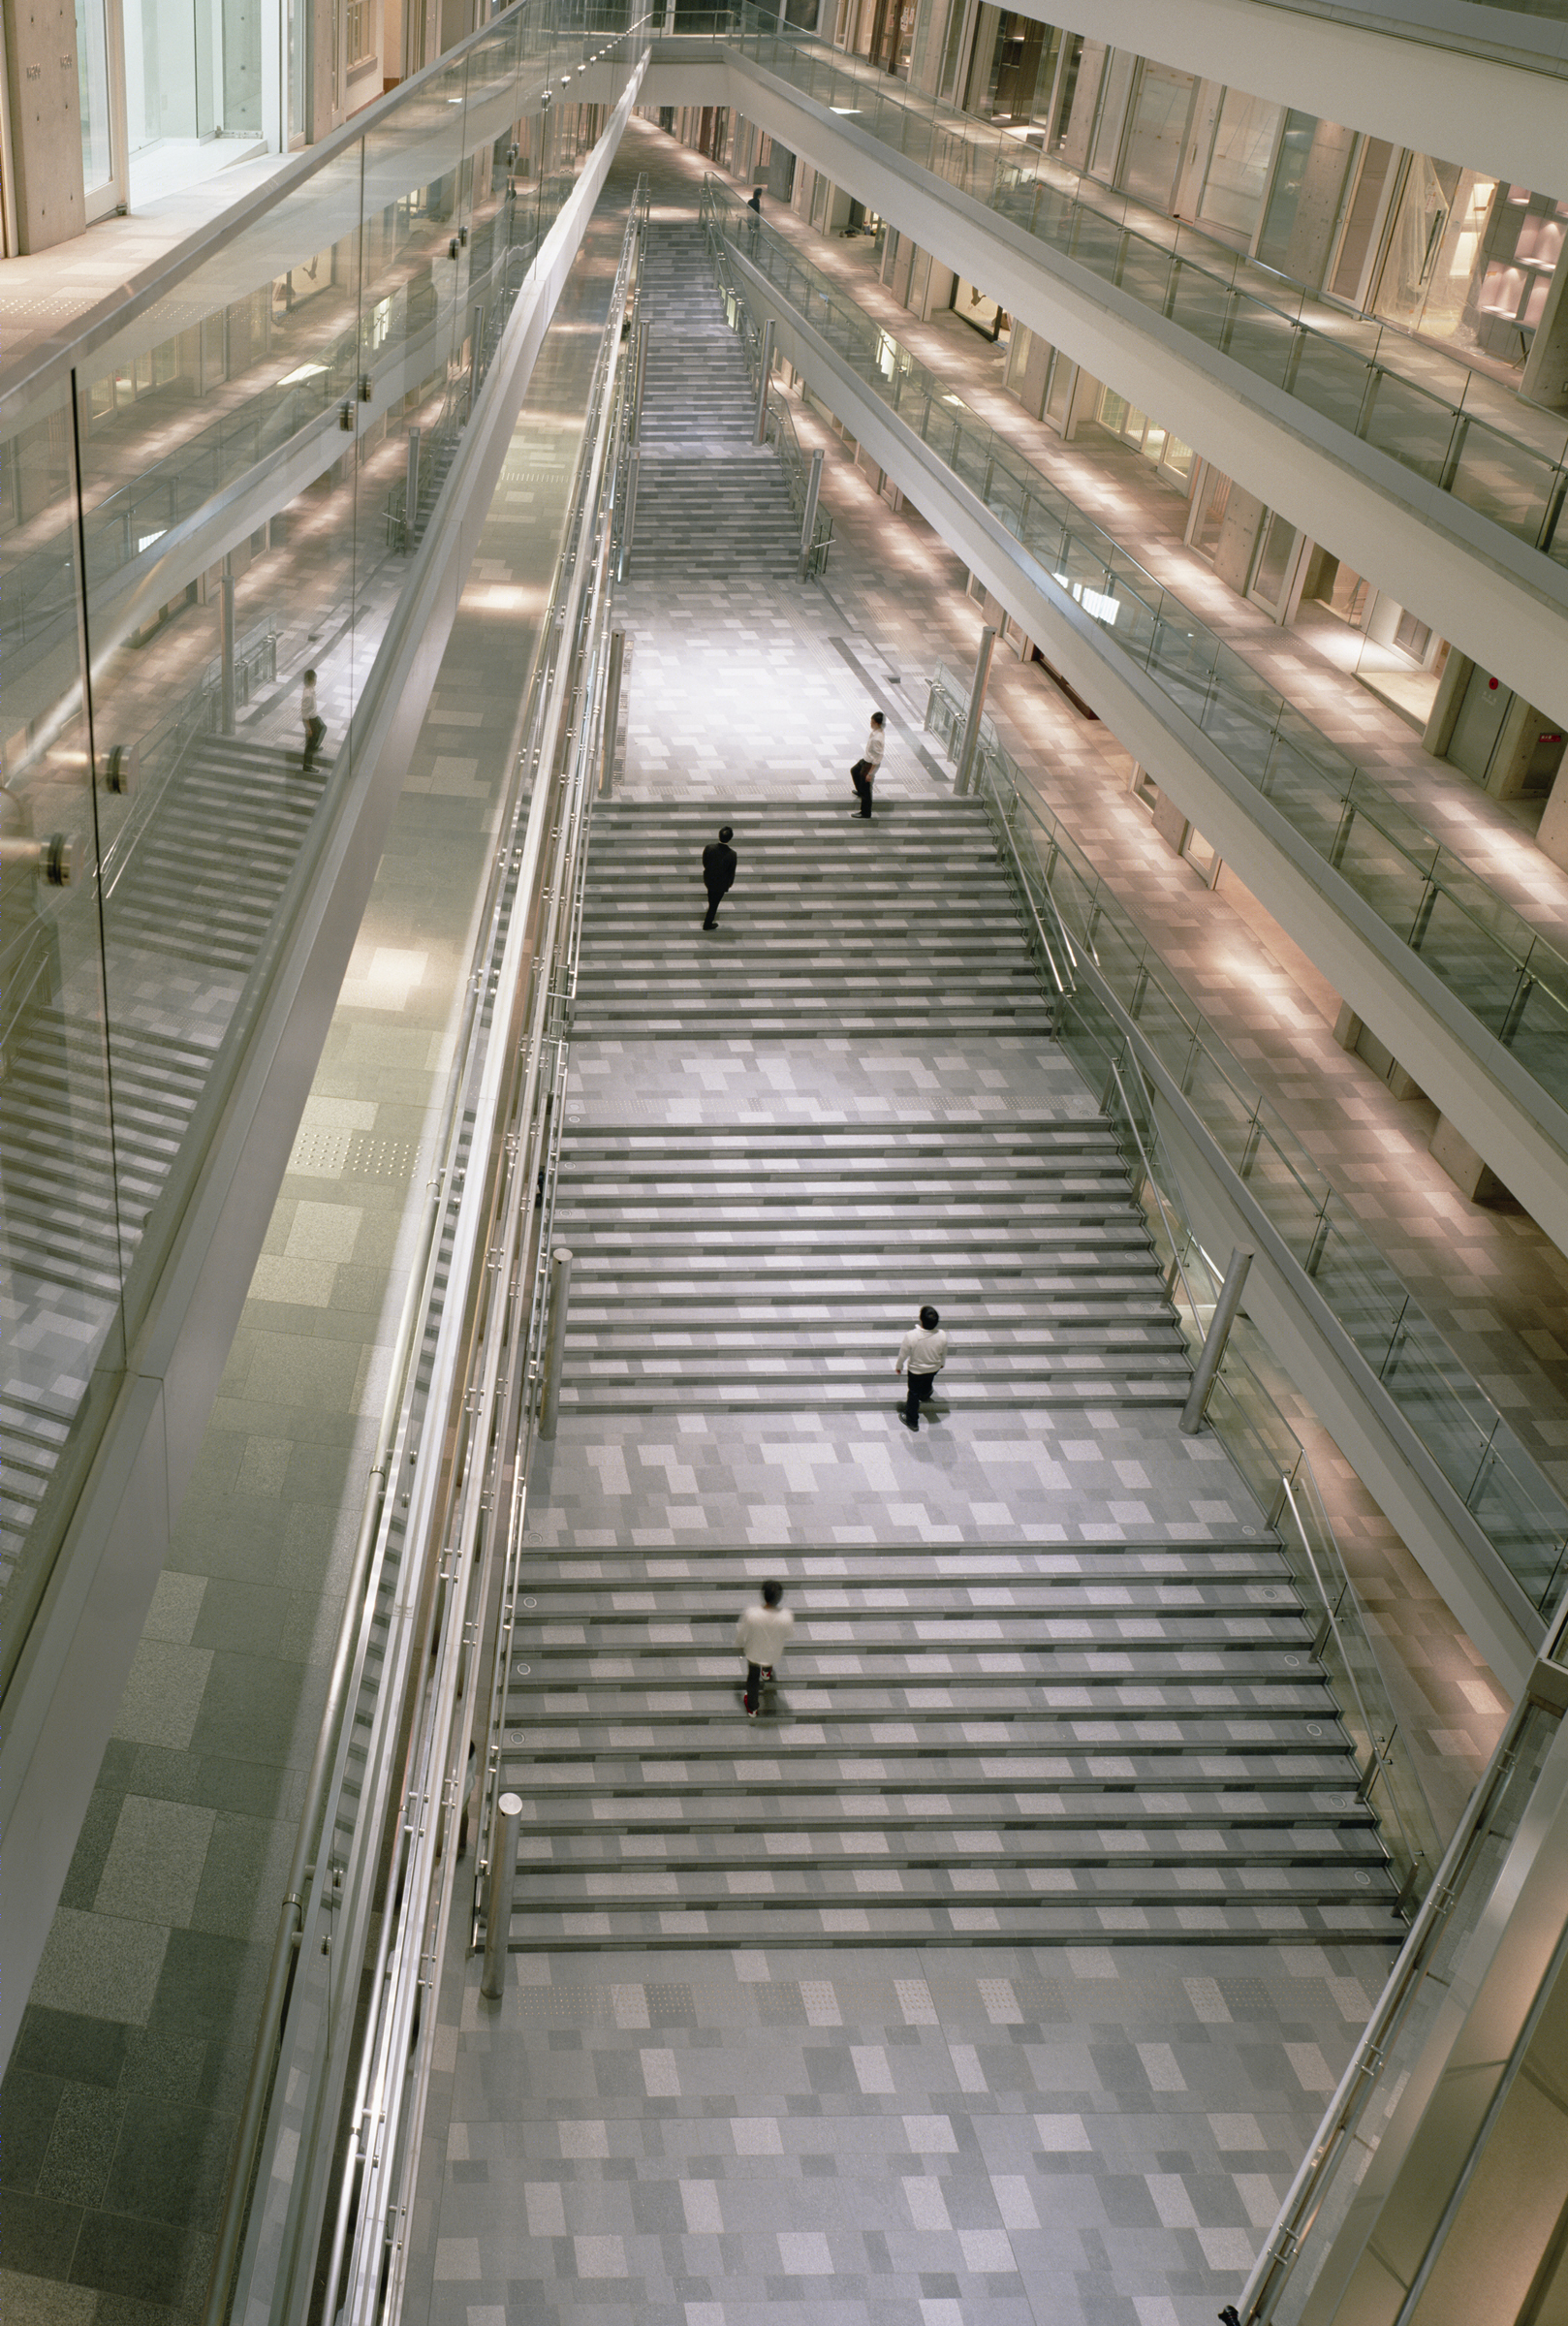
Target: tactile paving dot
x: 372, y: 1158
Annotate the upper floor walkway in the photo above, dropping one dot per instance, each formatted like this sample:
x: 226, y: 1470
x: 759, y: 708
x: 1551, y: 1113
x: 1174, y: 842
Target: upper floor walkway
x: 1481, y: 82
x: 1429, y: 477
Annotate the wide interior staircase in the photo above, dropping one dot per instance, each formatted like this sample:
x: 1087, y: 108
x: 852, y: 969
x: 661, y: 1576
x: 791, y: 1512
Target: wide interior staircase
x: 710, y: 503
x: 969, y: 1743
x: 186, y: 918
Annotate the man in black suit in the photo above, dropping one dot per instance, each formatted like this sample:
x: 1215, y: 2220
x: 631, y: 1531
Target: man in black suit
x: 718, y: 873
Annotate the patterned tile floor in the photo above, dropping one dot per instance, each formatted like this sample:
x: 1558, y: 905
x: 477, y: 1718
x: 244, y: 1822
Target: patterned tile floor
x: 1089, y: 2136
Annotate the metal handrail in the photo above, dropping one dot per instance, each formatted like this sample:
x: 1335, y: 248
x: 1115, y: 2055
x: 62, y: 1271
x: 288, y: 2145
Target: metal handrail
x: 1351, y: 1246
x: 780, y: 422
x: 455, y: 1190
x: 1331, y: 2144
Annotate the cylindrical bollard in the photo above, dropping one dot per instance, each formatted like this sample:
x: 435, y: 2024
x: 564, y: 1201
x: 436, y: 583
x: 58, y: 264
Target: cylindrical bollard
x: 763, y: 384
x: 560, y: 1290
x: 618, y: 655
x: 1213, y: 1349
x: 964, y: 780
x: 808, y: 522
x: 498, y: 1906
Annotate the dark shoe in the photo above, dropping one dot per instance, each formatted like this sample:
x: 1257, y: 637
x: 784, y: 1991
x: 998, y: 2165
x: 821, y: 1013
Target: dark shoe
x: 750, y: 1712
x: 908, y: 1423
x: 768, y: 1671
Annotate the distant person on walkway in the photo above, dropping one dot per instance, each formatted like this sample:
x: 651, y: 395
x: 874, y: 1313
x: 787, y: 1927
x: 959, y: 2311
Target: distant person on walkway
x: 755, y: 207
x: 923, y: 1352
x: 762, y: 1635
x: 314, y: 725
x: 863, y: 774
x: 718, y: 872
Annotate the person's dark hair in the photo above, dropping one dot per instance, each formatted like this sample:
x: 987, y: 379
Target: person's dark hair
x: 877, y: 719
x: 929, y: 1318
x: 772, y: 1593
x: 310, y: 678
x: 725, y: 832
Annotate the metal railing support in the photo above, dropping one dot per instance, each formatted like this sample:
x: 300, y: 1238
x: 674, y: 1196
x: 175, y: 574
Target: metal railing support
x: 617, y: 656
x: 963, y: 781
x: 763, y: 383
x: 226, y: 627
x: 808, y: 522
x: 639, y: 361
x: 1226, y: 1312
x: 410, y: 489
x: 560, y: 1293
x: 499, y: 1911
x: 634, y: 464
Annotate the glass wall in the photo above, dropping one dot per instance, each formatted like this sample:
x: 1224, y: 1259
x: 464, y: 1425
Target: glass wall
x: 93, y: 94
x: 249, y: 465
x: 1239, y: 166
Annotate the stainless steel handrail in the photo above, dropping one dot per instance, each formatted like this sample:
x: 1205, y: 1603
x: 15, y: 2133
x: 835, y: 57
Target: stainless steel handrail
x: 1304, y: 2200
x: 454, y: 1186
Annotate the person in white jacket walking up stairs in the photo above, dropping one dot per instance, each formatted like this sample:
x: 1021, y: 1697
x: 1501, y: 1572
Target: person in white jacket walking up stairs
x: 923, y: 1352
x: 762, y: 1635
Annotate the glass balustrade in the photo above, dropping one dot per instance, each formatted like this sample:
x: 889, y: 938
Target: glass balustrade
x: 1511, y: 1500
x: 1458, y: 430
x: 194, y: 501
x: 1509, y: 979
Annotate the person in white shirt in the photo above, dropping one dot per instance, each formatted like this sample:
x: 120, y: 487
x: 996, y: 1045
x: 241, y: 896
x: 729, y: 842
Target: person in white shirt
x: 923, y: 1352
x: 863, y: 774
x: 762, y: 1635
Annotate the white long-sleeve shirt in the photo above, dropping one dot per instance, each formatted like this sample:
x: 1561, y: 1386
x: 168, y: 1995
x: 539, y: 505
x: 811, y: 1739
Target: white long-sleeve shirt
x: 922, y: 1351
x: 875, y: 744
x: 762, y: 1633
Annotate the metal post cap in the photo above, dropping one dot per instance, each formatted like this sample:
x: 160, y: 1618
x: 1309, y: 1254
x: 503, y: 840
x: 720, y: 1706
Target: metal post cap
x: 560, y: 1252
x: 509, y: 1805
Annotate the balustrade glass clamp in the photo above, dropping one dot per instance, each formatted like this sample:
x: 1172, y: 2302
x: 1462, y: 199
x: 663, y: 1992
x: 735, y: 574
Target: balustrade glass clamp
x: 452, y: 248
x: 365, y: 389
x: 345, y: 418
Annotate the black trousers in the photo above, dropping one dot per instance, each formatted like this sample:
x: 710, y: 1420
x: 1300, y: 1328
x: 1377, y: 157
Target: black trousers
x: 716, y: 898
x: 754, y: 1682
x: 921, y: 1386
x: 863, y: 791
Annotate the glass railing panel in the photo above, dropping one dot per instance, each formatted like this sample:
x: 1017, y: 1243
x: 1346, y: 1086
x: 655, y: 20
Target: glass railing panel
x: 1524, y: 1517
x: 1506, y: 482
x: 234, y: 504
x: 1379, y: 848
x: 1272, y: 328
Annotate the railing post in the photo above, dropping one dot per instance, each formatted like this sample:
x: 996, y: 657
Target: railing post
x: 617, y: 652
x: 961, y: 783
x: 560, y: 1290
x: 808, y: 522
x: 499, y: 1911
x: 760, y: 435
x: 629, y: 522
x: 1224, y: 1317
x: 640, y: 359
x: 410, y: 489
x: 226, y: 627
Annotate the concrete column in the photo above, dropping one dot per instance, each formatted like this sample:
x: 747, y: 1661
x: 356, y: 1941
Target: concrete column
x: 46, y: 122
x: 1438, y: 731
x: 1523, y: 731
x: 1552, y: 837
x: 963, y: 781
x: 1464, y: 1166
x: 1171, y: 824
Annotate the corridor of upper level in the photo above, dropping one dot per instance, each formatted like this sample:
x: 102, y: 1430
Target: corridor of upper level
x: 1442, y: 487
